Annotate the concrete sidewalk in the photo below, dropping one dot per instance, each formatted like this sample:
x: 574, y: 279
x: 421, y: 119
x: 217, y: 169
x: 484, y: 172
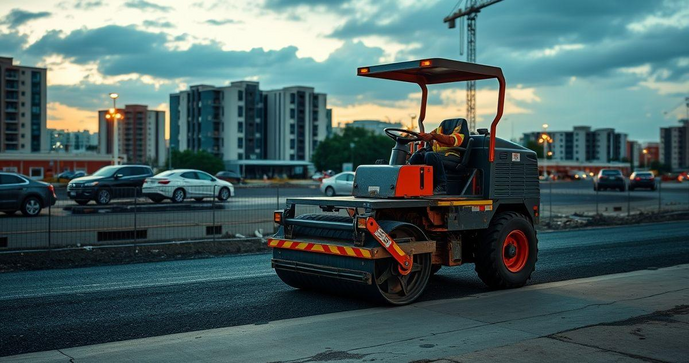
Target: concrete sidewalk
x: 636, y: 316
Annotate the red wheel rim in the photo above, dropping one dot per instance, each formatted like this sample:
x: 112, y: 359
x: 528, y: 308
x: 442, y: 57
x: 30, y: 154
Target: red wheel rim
x: 515, y: 251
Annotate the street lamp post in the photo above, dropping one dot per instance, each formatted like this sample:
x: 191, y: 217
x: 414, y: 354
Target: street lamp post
x: 645, y: 158
x: 545, y: 139
x: 114, y: 116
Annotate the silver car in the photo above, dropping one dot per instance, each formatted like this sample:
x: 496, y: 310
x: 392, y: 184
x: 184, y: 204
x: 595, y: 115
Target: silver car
x: 341, y: 184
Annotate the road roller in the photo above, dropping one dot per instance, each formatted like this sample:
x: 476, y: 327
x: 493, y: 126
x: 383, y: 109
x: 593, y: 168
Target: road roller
x: 386, y: 240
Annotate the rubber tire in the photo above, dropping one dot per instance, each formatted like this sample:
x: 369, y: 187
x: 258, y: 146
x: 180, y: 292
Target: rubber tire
x: 489, y: 262
x: 26, y: 201
x: 220, y: 198
x: 198, y: 199
x: 82, y: 201
x: 184, y: 195
x: 329, y: 192
x: 98, y: 201
x: 10, y: 212
x: 156, y: 199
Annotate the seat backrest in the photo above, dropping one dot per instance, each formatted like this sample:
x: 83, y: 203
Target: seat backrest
x: 447, y: 126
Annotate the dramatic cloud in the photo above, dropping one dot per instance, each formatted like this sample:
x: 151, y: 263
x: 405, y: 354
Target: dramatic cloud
x: 158, y: 24
x: 145, y: 5
x: 18, y: 17
x: 221, y: 22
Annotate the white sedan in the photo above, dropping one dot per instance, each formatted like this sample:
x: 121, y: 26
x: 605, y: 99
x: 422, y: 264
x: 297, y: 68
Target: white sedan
x: 178, y: 185
x: 338, y: 184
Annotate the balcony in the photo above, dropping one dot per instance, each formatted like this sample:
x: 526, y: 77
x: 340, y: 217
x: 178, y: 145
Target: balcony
x: 12, y: 85
x: 14, y: 75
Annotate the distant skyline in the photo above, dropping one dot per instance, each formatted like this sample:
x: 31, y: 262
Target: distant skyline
x: 614, y: 63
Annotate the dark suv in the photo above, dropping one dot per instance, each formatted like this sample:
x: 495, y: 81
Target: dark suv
x: 109, y: 182
x: 18, y: 192
x: 609, y: 179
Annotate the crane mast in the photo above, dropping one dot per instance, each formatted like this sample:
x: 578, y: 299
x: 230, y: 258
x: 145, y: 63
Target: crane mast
x: 470, y: 11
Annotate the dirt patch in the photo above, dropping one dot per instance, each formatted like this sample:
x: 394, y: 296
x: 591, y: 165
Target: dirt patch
x: 581, y: 221
x: 125, y: 254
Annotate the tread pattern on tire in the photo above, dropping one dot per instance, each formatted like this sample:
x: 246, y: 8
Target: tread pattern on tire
x: 323, y: 232
x: 487, y: 264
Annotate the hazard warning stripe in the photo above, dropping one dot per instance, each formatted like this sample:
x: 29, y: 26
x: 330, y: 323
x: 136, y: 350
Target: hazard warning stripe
x: 321, y: 248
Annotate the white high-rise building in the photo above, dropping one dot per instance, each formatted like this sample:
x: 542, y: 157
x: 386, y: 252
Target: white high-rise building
x: 297, y: 120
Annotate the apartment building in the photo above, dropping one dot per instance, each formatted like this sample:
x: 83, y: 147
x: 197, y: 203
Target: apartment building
x: 227, y: 122
x: 141, y: 135
x: 23, y: 108
x: 583, y: 144
x: 674, y: 146
x: 72, y: 141
x: 240, y: 122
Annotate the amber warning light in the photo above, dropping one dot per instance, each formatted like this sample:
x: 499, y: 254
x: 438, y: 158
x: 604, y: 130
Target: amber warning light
x: 363, y: 70
x: 426, y: 63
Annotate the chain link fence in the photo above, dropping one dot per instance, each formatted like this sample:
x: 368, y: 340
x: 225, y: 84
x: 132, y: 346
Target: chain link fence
x: 204, y: 213
x: 133, y: 216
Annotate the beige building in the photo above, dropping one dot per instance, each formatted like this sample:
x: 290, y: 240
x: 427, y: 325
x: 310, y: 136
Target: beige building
x: 141, y: 135
x: 23, y: 111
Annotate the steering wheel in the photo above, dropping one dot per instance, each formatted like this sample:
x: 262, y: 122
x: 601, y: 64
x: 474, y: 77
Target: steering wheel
x: 396, y: 134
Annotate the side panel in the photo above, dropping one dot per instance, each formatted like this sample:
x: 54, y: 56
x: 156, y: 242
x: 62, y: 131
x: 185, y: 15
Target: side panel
x: 376, y: 181
x: 414, y: 181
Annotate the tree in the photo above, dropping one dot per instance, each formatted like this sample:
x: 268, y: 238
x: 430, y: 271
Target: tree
x: 200, y: 160
x: 535, y: 146
x: 355, y: 145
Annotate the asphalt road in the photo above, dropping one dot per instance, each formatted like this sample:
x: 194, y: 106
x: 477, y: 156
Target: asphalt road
x: 54, y: 309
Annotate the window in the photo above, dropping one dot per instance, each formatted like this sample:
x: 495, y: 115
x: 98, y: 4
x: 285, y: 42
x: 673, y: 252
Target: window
x: 240, y: 95
x: 240, y: 111
x: 291, y: 114
x: 36, y: 172
x: 240, y: 127
x: 291, y: 98
x: 6, y: 179
x: 240, y: 142
x: 341, y: 178
x: 204, y: 176
x: 291, y: 144
x: 11, y: 169
x: 189, y: 175
x: 291, y: 129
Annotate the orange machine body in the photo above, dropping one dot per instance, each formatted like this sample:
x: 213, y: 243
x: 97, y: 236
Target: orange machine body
x: 414, y: 181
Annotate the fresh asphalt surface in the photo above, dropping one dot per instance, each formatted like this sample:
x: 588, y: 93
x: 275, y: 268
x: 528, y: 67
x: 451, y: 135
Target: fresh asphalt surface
x: 52, y: 309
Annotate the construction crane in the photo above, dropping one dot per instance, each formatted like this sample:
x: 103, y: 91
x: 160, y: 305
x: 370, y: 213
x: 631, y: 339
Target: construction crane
x: 470, y: 12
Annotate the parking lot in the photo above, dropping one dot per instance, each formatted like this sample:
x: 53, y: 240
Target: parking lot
x: 248, y: 214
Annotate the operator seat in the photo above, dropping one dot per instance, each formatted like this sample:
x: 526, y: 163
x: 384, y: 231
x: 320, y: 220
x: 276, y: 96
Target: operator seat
x: 456, y: 158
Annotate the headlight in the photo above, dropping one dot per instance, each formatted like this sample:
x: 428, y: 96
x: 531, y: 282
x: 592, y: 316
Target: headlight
x: 91, y: 184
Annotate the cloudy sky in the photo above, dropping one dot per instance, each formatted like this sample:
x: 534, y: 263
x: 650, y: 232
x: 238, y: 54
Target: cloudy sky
x: 605, y: 63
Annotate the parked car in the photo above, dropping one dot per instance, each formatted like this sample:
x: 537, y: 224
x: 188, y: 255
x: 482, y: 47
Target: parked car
x: 69, y: 175
x: 338, y: 184
x: 178, y: 185
x: 230, y: 176
x: 642, y: 179
x: 320, y: 175
x: 108, y: 183
x: 20, y: 193
x: 609, y: 179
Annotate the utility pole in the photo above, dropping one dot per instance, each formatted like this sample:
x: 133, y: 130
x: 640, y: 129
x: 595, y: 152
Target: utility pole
x: 470, y: 11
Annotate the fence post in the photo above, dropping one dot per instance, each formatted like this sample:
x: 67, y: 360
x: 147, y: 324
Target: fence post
x: 660, y: 194
x: 629, y: 200
x: 213, y: 208
x: 50, y: 218
x: 551, y: 202
x: 136, y: 197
